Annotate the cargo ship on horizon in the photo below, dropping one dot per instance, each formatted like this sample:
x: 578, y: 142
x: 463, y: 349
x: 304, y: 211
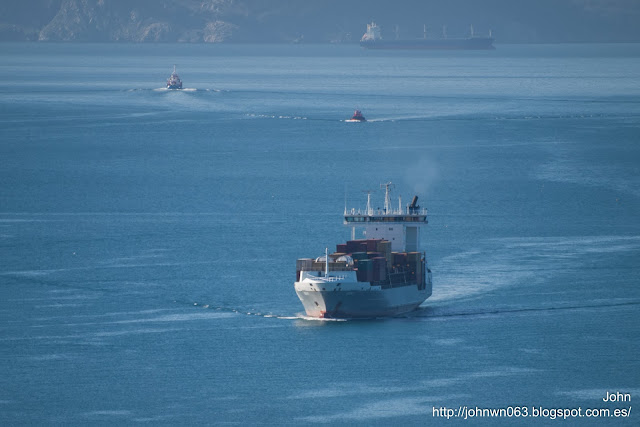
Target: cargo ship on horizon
x: 373, y: 39
x: 382, y: 275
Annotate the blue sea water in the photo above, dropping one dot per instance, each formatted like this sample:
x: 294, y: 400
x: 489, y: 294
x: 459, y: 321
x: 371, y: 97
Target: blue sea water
x: 148, y: 237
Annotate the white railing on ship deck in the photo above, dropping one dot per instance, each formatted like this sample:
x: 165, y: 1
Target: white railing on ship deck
x: 381, y: 212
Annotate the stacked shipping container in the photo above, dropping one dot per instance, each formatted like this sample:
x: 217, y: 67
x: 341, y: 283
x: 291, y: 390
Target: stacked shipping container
x: 373, y: 261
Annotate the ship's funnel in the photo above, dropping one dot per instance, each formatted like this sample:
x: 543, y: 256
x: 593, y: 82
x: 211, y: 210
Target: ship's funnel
x: 413, y: 207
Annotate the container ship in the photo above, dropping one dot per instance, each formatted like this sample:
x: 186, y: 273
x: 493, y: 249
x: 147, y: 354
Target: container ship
x: 381, y: 275
x: 372, y: 39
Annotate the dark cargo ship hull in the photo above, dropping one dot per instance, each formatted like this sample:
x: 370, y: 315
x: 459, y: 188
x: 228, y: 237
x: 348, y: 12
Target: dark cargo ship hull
x: 475, y: 43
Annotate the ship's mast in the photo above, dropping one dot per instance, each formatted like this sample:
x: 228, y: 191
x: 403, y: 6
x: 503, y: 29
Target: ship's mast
x: 387, y: 198
x: 345, y: 198
x: 369, y: 208
x: 326, y: 262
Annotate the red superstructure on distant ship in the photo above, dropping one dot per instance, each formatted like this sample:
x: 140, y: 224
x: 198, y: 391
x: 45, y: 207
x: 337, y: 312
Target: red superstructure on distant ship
x: 357, y: 117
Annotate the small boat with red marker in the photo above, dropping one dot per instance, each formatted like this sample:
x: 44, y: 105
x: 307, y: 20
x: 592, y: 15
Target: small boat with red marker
x: 357, y: 117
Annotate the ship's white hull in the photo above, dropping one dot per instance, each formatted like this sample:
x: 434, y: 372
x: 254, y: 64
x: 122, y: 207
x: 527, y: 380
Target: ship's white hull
x: 357, y: 299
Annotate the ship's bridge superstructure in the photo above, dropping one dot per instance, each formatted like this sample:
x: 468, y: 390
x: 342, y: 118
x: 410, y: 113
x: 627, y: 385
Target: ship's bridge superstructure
x: 399, y: 226
x: 373, y: 33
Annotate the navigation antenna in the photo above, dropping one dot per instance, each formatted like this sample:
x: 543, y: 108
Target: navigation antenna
x: 387, y: 198
x: 369, y: 209
x: 326, y: 262
x: 345, y: 198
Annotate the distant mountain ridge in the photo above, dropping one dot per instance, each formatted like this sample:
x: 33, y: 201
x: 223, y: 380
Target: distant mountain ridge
x: 113, y: 20
x: 316, y: 21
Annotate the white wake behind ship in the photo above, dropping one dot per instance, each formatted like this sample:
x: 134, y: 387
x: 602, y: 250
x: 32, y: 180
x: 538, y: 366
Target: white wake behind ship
x: 382, y: 275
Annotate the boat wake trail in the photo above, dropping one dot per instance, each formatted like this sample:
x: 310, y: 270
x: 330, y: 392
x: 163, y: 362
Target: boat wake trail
x: 232, y: 310
x: 186, y: 89
x: 400, y: 118
x: 521, y: 262
x: 431, y: 313
x: 257, y: 313
x: 441, y: 313
x: 311, y: 319
x: 272, y: 116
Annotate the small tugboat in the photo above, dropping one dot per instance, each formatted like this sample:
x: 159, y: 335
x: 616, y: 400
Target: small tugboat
x: 174, y: 82
x: 357, y: 117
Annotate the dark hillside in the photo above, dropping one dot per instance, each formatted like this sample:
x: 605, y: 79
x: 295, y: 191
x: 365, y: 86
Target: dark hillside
x: 316, y: 21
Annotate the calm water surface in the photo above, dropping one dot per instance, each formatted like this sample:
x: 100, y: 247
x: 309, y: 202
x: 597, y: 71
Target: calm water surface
x: 148, y: 238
